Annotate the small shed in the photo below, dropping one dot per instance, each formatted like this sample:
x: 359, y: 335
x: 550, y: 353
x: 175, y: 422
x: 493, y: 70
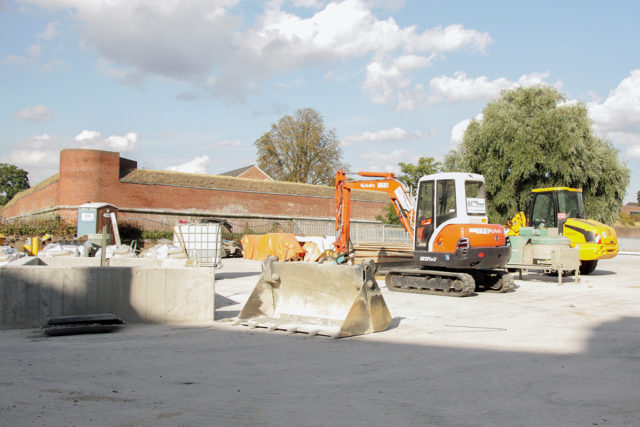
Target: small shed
x: 92, y: 217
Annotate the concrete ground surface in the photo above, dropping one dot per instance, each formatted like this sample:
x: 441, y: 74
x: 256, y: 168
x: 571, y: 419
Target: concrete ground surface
x: 543, y: 355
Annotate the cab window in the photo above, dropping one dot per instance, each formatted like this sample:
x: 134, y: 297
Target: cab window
x: 570, y: 204
x: 544, y: 212
x: 424, y: 215
x: 446, y: 193
x: 475, y: 194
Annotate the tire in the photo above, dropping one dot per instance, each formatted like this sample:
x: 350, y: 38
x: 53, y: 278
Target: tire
x: 588, y: 267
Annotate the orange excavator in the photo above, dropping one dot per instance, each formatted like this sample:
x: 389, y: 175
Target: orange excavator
x: 455, y: 250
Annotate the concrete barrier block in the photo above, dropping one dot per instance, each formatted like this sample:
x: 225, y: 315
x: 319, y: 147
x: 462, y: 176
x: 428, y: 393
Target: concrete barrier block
x: 32, y: 292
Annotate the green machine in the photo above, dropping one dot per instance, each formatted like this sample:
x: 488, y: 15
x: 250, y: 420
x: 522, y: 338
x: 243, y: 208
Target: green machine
x: 542, y: 249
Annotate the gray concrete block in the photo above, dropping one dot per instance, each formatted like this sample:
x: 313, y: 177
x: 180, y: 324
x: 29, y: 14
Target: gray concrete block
x: 33, y: 291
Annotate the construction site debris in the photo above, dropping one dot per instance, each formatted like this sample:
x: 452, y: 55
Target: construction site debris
x: 164, y: 250
x: 117, y: 251
x: 283, y: 245
x: 231, y: 249
x: 82, y: 324
x: 66, y: 249
x: 8, y: 254
x: 383, y: 252
x: 312, y: 252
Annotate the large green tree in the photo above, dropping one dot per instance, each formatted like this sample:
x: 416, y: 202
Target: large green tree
x: 12, y: 181
x: 530, y: 138
x: 300, y: 148
x: 411, y: 174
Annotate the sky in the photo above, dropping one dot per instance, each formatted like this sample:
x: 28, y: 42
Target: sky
x: 190, y: 85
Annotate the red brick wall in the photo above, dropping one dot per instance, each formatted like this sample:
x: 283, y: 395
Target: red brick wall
x: 88, y: 176
x: 46, y: 197
x: 93, y: 176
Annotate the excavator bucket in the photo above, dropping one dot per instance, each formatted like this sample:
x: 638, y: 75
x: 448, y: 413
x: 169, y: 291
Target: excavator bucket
x: 318, y: 299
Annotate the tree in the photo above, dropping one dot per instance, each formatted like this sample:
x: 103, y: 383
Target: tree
x: 454, y: 161
x: 300, y: 148
x: 12, y: 181
x: 638, y: 196
x: 411, y: 174
x: 529, y: 138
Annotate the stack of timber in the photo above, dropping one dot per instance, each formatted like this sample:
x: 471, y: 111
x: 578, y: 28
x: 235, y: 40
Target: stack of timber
x: 381, y: 252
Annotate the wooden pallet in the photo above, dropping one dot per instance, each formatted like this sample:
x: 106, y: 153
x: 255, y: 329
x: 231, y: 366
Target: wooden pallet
x: 381, y: 252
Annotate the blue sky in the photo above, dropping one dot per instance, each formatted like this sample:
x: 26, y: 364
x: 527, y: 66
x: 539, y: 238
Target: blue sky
x: 191, y: 85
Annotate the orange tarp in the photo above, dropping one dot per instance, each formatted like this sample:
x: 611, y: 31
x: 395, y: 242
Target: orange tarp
x: 283, y: 245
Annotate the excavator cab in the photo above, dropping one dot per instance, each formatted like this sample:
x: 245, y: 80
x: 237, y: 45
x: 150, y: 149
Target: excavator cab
x: 452, y: 223
x: 438, y: 197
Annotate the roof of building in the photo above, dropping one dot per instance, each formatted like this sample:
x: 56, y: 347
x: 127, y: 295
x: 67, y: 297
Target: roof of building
x: 237, y: 172
x: 51, y: 180
x: 219, y: 182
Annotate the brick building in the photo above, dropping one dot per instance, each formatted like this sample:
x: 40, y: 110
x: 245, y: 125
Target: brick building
x: 158, y: 198
x: 252, y: 171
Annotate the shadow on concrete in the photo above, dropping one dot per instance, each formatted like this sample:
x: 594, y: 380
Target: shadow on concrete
x: 227, y: 314
x: 395, y: 322
x: 33, y: 292
x: 222, y: 301
x: 544, y: 277
x: 236, y: 275
x: 150, y: 375
x: 599, y: 272
x: 31, y: 295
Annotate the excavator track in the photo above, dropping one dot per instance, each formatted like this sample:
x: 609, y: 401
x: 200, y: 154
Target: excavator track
x: 430, y: 282
x: 494, y: 281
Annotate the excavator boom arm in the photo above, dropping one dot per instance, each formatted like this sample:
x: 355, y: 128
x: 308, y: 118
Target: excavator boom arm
x: 384, y: 182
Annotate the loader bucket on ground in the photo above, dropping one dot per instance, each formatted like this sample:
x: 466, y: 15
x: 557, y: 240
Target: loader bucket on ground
x: 325, y: 299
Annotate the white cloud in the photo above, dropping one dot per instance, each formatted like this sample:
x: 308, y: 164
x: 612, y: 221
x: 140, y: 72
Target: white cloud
x: 40, y: 155
x: 225, y: 143
x: 87, y: 135
x: 15, y: 59
x: 197, y: 165
x: 618, y: 116
x: 458, y: 130
x: 126, y: 76
x: 381, y: 162
x: 208, y: 42
x: 452, y: 37
x: 39, y: 113
x: 389, y: 84
x: 463, y: 88
x: 621, y: 109
x: 122, y: 144
x: 93, y: 139
x: 33, y: 158
x: 634, y: 151
x: 49, y: 32
x: 311, y: 4
x: 385, y: 135
x: 34, y: 50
